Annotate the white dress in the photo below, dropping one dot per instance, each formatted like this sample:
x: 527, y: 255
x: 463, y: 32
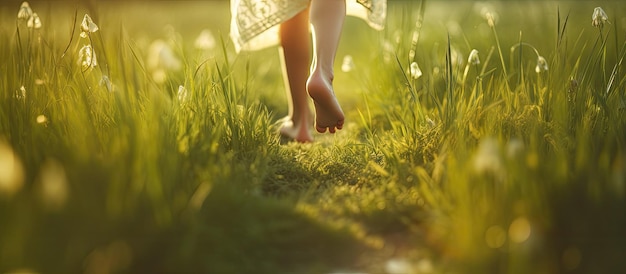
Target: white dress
x: 254, y: 23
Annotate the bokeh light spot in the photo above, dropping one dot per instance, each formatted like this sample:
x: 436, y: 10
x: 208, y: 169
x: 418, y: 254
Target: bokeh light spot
x: 520, y: 230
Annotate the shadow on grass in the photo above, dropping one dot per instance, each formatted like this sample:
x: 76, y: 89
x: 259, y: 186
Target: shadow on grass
x: 237, y: 233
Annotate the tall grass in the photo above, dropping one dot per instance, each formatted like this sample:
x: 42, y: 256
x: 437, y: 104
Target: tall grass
x: 521, y: 176
x: 510, y: 165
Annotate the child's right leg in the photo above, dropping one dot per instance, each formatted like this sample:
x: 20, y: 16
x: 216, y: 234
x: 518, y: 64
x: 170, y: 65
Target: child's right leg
x: 326, y: 17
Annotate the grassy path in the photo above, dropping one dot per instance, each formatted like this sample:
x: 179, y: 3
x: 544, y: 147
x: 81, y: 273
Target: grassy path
x: 163, y: 156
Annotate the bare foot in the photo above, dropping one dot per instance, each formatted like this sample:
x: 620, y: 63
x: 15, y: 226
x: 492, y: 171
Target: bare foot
x: 290, y: 131
x: 328, y: 113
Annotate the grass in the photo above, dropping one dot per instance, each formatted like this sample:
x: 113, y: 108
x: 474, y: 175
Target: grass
x: 469, y: 168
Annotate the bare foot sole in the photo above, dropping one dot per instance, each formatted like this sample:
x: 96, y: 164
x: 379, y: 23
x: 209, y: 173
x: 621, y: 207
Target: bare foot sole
x: 328, y: 113
x: 289, y: 132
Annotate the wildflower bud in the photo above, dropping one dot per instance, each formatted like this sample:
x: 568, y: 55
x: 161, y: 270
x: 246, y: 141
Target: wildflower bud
x: 87, y: 26
x: 491, y: 19
x: 599, y: 17
x: 542, y: 64
x: 182, y: 93
x: 25, y: 12
x: 34, y: 22
x: 473, y: 58
x: 415, y: 71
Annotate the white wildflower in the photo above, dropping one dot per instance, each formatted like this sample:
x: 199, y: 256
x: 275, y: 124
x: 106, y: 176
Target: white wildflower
x: 87, y: 57
x: 599, y: 17
x: 514, y: 148
x: 398, y: 36
x: 487, y: 159
x: 415, y: 71
x: 106, y: 82
x: 21, y: 93
x: 205, y: 41
x: 430, y: 122
x: 241, y: 111
x: 473, y: 58
x: 542, y: 64
x: 491, y: 18
x: 87, y: 26
x: 25, y: 12
x: 34, y: 22
x: 162, y: 59
x: 456, y: 57
x: 182, y: 93
x: 388, y: 52
x: 348, y: 64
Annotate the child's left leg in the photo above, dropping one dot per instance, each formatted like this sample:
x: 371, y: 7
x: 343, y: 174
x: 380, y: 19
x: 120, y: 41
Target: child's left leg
x: 295, y: 40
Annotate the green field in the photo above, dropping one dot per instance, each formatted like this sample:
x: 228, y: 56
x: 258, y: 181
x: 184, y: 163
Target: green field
x: 164, y: 157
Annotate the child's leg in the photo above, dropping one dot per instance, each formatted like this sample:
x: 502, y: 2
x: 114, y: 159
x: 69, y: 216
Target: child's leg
x: 326, y: 17
x: 295, y: 40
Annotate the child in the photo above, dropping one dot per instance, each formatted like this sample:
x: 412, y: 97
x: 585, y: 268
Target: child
x: 257, y: 24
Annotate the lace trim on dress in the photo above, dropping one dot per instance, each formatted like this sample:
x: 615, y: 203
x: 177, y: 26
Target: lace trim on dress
x: 251, y: 19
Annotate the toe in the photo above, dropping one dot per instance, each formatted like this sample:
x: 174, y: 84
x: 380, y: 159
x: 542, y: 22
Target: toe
x: 320, y: 129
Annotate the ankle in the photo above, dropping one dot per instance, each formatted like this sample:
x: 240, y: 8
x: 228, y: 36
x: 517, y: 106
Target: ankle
x: 326, y: 74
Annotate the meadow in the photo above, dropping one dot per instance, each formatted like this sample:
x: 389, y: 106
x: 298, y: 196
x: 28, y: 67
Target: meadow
x: 480, y: 137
